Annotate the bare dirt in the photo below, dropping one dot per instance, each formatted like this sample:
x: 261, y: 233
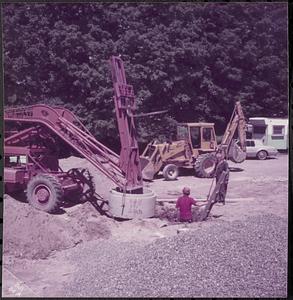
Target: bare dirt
x: 37, y: 245
x: 34, y: 235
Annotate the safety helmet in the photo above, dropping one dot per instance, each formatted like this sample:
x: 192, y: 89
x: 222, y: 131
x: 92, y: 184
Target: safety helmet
x: 186, y: 190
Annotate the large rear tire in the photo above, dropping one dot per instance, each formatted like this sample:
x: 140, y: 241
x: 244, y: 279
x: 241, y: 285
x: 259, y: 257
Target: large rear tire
x: 170, y: 172
x: 44, y: 192
x: 205, y: 165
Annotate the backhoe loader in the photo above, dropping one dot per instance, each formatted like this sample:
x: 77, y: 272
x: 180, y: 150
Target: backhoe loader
x: 196, y: 148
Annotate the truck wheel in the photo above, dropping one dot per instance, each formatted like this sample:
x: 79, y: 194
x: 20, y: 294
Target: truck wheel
x: 44, y: 192
x: 205, y: 165
x: 170, y: 172
x: 262, y: 155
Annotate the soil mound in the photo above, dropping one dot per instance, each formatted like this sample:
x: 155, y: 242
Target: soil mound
x: 34, y: 234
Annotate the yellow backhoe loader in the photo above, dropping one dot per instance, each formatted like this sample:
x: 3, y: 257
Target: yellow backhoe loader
x: 195, y: 148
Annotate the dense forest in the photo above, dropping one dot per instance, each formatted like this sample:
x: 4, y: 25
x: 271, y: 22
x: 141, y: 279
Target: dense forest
x: 192, y: 59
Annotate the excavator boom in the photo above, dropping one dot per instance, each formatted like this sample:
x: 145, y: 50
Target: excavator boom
x: 235, y: 151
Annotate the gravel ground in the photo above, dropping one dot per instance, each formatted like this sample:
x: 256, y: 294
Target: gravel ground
x: 230, y: 259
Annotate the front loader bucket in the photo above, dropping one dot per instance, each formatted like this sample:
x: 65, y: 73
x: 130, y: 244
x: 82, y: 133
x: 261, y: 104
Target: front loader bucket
x: 147, y: 168
x: 236, y: 154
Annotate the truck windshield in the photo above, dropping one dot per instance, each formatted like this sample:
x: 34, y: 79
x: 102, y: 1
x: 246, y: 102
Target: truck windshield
x: 182, y: 132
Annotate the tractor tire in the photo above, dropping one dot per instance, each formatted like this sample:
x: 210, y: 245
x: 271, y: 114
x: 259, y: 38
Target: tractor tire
x: 170, y: 172
x: 262, y: 155
x: 84, y: 177
x: 205, y: 165
x: 44, y: 192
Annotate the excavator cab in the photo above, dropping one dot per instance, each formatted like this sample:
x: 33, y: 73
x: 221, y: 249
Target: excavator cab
x: 199, y: 135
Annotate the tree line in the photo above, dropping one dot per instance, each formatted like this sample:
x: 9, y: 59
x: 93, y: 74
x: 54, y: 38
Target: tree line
x: 193, y: 59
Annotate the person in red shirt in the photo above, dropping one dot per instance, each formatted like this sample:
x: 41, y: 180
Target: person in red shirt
x: 184, y: 204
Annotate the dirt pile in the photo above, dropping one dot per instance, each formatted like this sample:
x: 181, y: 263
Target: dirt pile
x: 33, y: 234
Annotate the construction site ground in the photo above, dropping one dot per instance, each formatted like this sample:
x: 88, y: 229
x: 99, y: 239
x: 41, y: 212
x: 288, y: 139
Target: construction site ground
x: 79, y: 252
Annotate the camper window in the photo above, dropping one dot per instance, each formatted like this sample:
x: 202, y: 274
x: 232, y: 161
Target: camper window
x: 278, y: 129
x: 259, y: 129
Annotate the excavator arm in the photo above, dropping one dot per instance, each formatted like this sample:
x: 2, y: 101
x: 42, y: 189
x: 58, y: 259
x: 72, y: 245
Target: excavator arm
x: 217, y: 196
x: 235, y: 151
x: 229, y: 149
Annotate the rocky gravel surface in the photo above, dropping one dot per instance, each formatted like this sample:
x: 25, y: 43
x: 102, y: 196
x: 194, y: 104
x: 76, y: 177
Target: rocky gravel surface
x: 229, y: 259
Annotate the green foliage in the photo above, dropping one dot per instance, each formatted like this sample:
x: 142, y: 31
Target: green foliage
x: 194, y: 59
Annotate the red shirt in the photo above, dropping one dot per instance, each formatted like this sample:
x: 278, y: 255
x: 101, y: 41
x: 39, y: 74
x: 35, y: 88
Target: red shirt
x: 184, y: 204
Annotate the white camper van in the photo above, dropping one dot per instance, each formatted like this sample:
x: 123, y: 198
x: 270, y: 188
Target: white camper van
x: 271, y: 131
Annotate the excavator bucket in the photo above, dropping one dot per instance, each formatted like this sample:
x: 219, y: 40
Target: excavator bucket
x: 147, y: 168
x: 150, y: 161
x: 236, y: 154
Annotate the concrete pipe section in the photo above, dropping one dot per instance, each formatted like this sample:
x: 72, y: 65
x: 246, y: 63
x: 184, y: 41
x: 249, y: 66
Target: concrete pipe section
x: 132, y: 206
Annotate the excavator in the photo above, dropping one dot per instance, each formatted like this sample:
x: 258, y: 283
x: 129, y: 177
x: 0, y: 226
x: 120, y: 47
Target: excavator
x: 196, y: 148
